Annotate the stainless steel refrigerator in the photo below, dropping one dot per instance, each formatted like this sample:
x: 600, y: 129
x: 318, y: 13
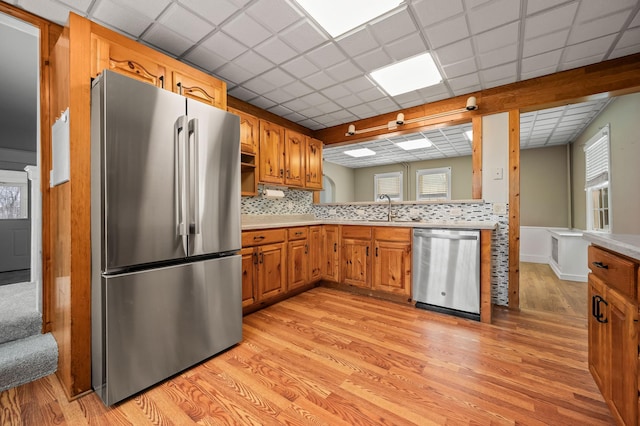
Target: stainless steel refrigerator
x: 165, y: 234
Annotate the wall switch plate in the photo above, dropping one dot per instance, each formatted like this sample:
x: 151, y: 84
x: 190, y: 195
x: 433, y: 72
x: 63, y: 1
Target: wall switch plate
x: 332, y: 211
x: 456, y: 211
x: 497, y: 173
x: 499, y: 208
x: 290, y: 205
x: 360, y: 212
x: 414, y: 212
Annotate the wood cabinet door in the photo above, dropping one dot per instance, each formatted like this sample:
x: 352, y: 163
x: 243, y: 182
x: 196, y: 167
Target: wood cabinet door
x: 271, y: 153
x: 355, y: 262
x: 295, y: 145
x: 313, y: 177
x: 249, y: 264
x: 209, y: 91
x: 271, y: 273
x: 112, y: 56
x: 623, y: 373
x: 315, y: 253
x: 331, y: 253
x: 392, y: 267
x: 249, y: 131
x: 298, y: 261
x: 598, y: 334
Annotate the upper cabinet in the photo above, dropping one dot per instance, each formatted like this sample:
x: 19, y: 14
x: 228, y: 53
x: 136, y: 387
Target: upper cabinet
x: 249, y: 131
x: 271, y: 164
x: 207, y: 90
x: 294, y: 158
x: 314, y: 164
x: 112, y: 51
x: 109, y: 55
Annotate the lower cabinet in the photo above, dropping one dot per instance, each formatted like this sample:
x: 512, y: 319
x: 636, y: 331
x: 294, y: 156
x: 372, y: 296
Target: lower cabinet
x: 298, y: 253
x: 613, y: 332
x: 392, y: 260
x: 356, y: 259
x: 263, y: 263
x: 315, y: 253
x: 331, y: 252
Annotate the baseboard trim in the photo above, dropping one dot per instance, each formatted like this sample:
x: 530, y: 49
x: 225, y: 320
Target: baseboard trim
x: 567, y: 277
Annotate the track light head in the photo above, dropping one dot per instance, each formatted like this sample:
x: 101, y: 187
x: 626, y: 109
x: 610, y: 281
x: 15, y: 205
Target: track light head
x: 351, y: 131
x: 471, y: 104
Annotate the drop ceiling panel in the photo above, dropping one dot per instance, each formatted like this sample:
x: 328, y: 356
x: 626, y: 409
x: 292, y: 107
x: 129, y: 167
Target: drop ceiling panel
x: 272, y: 54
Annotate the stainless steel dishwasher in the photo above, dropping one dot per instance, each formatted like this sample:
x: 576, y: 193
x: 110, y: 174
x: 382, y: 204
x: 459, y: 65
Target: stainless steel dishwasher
x: 446, y: 271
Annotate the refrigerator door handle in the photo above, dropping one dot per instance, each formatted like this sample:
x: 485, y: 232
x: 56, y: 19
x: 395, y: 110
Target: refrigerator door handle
x: 181, y: 153
x: 194, y: 219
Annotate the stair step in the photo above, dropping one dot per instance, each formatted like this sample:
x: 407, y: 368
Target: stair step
x: 25, y: 360
x: 19, y: 317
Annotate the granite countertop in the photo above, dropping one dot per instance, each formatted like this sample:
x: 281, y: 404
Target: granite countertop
x: 252, y: 222
x: 626, y: 244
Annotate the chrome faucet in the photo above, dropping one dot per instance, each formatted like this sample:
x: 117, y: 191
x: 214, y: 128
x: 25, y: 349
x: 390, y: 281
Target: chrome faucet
x: 389, y: 215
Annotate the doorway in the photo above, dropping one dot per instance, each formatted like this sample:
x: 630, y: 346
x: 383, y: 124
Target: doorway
x: 20, y: 212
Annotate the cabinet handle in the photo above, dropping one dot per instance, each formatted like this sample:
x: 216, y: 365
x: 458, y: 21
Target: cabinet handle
x: 376, y: 251
x: 306, y: 248
x: 367, y: 250
x: 255, y: 258
x: 335, y: 247
x: 299, y: 233
x: 161, y: 78
x: 600, y: 265
x: 258, y: 238
x: 599, y: 315
x: 308, y: 177
x: 261, y: 258
x: 281, y: 172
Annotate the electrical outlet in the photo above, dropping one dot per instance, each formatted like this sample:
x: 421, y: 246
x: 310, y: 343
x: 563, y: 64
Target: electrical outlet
x: 455, y: 212
x: 332, y: 211
x: 290, y: 205
x: 360, y: 212
x: 499, y: 208
x: 414, y: 212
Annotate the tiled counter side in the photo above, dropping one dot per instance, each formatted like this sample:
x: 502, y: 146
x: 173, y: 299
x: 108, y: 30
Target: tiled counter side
x: 300, y: 203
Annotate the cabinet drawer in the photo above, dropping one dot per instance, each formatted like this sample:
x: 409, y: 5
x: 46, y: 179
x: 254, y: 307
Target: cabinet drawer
x: 356, y: 232
x: 392, y: 234
x: 265, y: 236
x: 617, y: 272
x: 297, y: 233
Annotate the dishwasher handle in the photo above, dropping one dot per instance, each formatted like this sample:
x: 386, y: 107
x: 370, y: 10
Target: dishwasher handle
x: 428, y: 234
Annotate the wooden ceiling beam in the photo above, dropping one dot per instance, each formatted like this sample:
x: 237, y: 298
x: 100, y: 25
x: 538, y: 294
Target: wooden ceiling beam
x: 602, y: 80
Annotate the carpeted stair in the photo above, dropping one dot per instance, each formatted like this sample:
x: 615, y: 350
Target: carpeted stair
x: 25, y: 353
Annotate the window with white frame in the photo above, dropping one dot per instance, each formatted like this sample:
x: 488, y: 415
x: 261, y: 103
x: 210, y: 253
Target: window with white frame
x: 14, y: 195
x: 388, y: 184
x: 597, y: 182
x: 433, y: 184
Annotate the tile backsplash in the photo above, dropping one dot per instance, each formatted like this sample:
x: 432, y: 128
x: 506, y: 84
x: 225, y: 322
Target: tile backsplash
x: 297, y: 202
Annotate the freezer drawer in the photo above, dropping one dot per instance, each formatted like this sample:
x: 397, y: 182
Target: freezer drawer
x: 446, y: 271
x: 150, y: 325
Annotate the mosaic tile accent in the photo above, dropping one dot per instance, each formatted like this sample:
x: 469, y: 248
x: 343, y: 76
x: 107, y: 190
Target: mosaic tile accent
x: 301, y: 202
x: 294, y: 202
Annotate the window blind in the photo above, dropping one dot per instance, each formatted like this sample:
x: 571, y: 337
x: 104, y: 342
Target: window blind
x: 433, y: 184
x: 597, y: 159
x: 390, y: 184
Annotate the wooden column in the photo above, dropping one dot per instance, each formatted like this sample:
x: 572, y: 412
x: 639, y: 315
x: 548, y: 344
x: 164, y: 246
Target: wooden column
x: 514, y: 209
x: 476, y: 158
x: 485, y: 274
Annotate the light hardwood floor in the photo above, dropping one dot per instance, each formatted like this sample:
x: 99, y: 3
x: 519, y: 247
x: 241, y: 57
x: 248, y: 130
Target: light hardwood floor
x: 541, y: 290
x: 329, y: 357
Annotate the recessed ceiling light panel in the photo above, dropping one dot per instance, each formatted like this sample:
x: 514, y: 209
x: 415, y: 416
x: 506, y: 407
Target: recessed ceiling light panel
x: 415, y: 144
x: 363, y: 152
x: 408, y: 75
x: 339, y: 16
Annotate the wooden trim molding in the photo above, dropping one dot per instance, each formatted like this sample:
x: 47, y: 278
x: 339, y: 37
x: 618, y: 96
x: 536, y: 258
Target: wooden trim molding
x: 514, y: 209
x: 605, y: 79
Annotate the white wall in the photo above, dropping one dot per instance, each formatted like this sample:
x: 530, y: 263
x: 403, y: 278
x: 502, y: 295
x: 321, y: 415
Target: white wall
x: 344, y: 179
x: 495, y: 155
